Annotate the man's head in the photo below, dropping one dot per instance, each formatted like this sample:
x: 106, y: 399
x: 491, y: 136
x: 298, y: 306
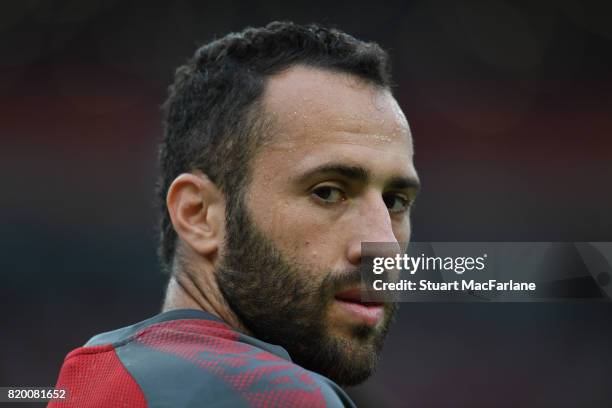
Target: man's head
x: 296, y: 152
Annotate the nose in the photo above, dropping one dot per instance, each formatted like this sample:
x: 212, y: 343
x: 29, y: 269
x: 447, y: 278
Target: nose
x: 372, y: 224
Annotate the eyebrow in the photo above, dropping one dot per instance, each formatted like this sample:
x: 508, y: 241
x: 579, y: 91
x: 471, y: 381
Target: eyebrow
x: 404, y: 183
x: 359, y: 173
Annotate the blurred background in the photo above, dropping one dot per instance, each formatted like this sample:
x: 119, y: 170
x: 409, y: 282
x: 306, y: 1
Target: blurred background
x: 511, y: 109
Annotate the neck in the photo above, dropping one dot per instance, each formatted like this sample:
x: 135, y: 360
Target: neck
x: 199, y: 290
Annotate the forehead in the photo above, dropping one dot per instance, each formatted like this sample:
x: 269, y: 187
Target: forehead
x: 311, y: 106
x: 319, y: 118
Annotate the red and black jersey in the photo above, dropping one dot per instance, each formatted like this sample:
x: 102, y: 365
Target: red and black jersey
x: 189, y: 358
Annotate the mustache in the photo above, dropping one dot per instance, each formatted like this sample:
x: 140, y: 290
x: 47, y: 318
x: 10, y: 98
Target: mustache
x: 338, y: 281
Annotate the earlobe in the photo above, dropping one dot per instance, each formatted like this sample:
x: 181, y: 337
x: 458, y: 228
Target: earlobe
x: 197, y: 210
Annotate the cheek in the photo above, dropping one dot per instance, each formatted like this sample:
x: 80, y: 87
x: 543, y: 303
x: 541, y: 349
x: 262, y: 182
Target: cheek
x: 305, y: 236
x: 301, y: 232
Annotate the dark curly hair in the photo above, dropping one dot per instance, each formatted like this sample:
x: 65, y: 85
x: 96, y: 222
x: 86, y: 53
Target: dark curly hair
x: 213, y: 119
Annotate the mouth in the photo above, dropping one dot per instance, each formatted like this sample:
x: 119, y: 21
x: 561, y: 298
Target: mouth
x: 369, y: 313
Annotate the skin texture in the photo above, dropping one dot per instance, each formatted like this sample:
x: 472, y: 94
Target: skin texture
x: 296, y: 239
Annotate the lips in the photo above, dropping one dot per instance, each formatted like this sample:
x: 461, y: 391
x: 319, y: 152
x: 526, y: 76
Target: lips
x: 354, y: 295
x: 350, y: 302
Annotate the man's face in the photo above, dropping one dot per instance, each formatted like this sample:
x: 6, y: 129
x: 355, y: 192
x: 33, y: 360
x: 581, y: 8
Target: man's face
x: 337, y: 171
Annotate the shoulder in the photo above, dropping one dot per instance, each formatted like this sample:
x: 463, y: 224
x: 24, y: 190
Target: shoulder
x: 95, y: 376
x: 190, y: 362
x: 208, y: 361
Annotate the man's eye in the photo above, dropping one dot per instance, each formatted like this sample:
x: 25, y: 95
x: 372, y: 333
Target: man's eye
x: 329, y: 194
x: 396, y: 203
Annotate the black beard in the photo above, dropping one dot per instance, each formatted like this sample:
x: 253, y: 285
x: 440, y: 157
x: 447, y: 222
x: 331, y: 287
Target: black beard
x: 284, y: 303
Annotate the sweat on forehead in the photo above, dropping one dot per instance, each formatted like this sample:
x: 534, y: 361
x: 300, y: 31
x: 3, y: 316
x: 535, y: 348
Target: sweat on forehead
x: 312, y: 100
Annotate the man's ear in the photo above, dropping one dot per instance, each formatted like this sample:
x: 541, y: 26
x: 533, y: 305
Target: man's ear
x: 197, y: 210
